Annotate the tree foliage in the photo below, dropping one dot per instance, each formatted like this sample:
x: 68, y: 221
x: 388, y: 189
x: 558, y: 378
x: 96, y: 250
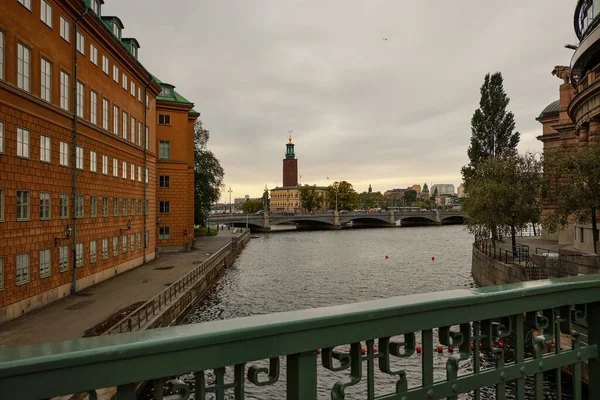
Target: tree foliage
x: 572, y: 186
x: 410, y: 196
x: 252, y: 206
x: 347, y: 198
x: 502, y: 185
x: 492, y: 126
x: 208, y: 175
x: 311, y: 200
x: 370, y: 200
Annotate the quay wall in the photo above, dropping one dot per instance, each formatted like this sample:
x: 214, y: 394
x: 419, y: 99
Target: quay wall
x: 488, y: 271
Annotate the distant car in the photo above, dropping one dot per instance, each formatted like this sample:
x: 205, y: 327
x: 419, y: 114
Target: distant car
x: 288, y: 213
x: 261, y: 212
x: 344, y: 212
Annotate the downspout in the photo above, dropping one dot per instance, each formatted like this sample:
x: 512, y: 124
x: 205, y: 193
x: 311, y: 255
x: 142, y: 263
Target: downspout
x: 146, y: 177
x: 74, y: 284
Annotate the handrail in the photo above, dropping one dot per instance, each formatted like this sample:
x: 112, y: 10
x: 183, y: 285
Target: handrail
x: 545, y: 251
x: 87, y: 364
x: 148, y: 310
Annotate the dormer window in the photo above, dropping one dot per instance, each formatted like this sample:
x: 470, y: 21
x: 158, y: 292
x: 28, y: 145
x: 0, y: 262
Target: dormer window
x: 165, y: 92
x: 96, y: 6
x: 134, y: 51
x: 116, y: 31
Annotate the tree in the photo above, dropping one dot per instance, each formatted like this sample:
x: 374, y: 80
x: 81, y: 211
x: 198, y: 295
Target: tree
x: 311, y: 200
x: 434, y: 195
x: 572, y: 186
x: 208, y: 175
x: 410, y: 196
x: 492, y: 126
x: 502, y: 184
x: 370, y: 200
x: 252, y: 206
x: 347, y: 198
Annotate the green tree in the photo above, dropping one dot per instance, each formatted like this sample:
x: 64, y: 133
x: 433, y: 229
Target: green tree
x: 266, y: 201
x: 208, y: 175
x: 572, y: 186
x: 370, y: 200
x: 410, y: 196
x: 502, y: 185
x: 252, y: 206
x: 311, y: 200
x: 347, y: 198
x: 492, y: 126
x: 434, y: 195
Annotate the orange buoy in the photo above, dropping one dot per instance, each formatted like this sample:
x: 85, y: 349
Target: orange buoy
x: 450, y: 349
x: 440, y: 349
x: 419, y: 349
x: 363, y: 350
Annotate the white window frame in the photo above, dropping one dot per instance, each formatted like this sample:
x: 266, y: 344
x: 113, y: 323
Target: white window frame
x: 164, y: 150
x: 93, y: 161
x: 124, y: 81
x: 147, y: 137
x: 132, y: 242
x: 93, y: 54
x: 139, y: 96
x: 124, y: 244
x: 125, y: 125
x: 45, y: 206
x: 23, y: 205
x: 25, y: 3
x: 79, y: 206
x: 166, y: 119
x: 93, y: 206
x: 22, y: 143
x: 132, y: 84
x: 65, y: 29
x: 105, y: 165
x: 115, y: 246
x: 79, y: 255
x: 132, y: 137
x: 124, y: 174
x: 115, y: 73
x: 93, y: 107
x: 105, y: 65
x: 64, y: 154
x: 115, y: 167
x: 80, y: 42
x: 65, y: 84
x: 63, y: 264
x: 93, y: 245
x: 46, y: 80
x: 45, y: 259
x: 132, y: 172
x: 139, y: 133
x: 139, y: 174
x: 45, y: 149
x: 79, y: 158
x: 63, y: 206
x: 164, y: 233
x: 80, y: 99
x: 46, y: 13
x: 104, y: 248
x: 104, y: 207
x: 1, y: 55
x: 116, y: 119
x: 23, y: 67
x: 22, y: 268
x: 105, y: 113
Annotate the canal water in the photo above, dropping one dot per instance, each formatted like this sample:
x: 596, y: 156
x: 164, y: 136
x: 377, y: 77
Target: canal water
x: 285, y: 271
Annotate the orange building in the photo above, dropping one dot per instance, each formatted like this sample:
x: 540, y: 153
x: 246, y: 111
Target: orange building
x: 80, y: 134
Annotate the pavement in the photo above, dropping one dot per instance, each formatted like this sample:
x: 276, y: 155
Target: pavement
x: 71, y: 316
x: 534, y: 243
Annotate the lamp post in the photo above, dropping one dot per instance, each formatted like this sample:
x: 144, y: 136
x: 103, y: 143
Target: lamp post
x: 66, y: 235
x: 230, y: 191
x: 513, y: 214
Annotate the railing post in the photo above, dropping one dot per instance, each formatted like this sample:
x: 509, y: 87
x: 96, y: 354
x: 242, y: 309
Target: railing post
x: 593, y: 321
x: 302, y: 376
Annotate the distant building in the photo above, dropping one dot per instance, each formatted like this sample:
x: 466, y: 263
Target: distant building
x: 239, y: 201
x: 443, y: 188
x: 370, y: 189
x: 416, y: 188
x: 461, y: 191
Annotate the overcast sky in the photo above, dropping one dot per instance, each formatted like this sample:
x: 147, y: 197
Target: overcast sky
x: 388, y: 113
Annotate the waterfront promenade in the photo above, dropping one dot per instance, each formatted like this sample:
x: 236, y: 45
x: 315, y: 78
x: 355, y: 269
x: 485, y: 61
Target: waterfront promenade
x: 71, y: 317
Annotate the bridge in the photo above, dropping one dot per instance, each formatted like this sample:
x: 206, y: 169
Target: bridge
x: 337, y: 220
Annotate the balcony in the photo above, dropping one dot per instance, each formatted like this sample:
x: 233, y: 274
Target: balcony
x: 586, y: 103
x: 381, y: 349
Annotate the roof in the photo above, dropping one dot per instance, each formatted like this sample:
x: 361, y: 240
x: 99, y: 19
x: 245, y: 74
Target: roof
x: 551, y: 110
x: 175, y: 96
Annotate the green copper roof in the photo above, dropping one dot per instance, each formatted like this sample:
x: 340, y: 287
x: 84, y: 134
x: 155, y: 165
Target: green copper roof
x: 174, y: 97
x: 551, y: 110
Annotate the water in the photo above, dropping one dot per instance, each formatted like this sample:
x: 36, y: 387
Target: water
x: 287, y: 271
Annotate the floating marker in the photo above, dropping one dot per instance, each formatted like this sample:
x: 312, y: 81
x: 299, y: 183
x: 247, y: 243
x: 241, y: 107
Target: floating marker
x: 432, y: 258
x: 450, y: 349
x: 419, y: 349
x: 472, y: 346
x: 363, y: 350
x: 501, y: 344
x: 318, y: 351
x: 440, y: 349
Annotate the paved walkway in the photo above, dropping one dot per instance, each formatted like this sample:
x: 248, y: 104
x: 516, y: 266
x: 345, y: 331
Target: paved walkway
x: 534, y: 242
x: 70, y: 317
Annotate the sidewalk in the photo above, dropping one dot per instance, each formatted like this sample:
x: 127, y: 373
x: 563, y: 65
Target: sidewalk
x: 534, y: 242
x: 70, y: 317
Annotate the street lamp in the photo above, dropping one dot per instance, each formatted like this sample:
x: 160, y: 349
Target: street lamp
x: 513, y: 214
x: 66, y: 235
x: 230, y: 191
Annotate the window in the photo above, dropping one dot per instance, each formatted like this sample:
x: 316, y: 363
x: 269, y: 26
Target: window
x: 115, y: 120
x: 146, y: 238
x: 79, y: 159
x: 93, y: 54
x: 80, y: 99
x: 165, y: 92
x: 96, y: 7
x: 164, y: 119
x: 22, y: 268
x: 132, y: 173
x: 45, y: 149
x: 44, y: 205
x: 147, y: 102
x: 146, y: 175
x: 79, y: 255
x: 116, y: 73
x: 164, y: 150
x: 125, y: 125
x: 64, y: 259
x: 1, y: 204
x: 105, y: 66
x: 1, y: 273
x: 139, y: 92
x: 163, y: 233
x: 139, y: 240
x: 46, y: 81
x: 44, y: 263
x: 1, y: 55
x: 65, y: 29
x: 46, y: 13
x: 64, y: 154
x: 140, y: 206
x: 164, y: 181
x: 115, y: 246
x: 64, y: 90
x: 93, y: 206
x: 115, y: 167
x: 93, y: 107
x: 22, y: 143
x: 115, y: 207
x: 132, y: 130
x: 93, y: 164
x: 124, y: 247
x: 80, y: 43
x: 164, y: 207
x: 124, y: 171
x: 139, y: 133
x: 147, y: 138
x: 23, y: 67
x: 132, y: 88
x: 139, y: 174
x: 124, y: 81
x: 105, y: 114
x: 22, y: 205
x: 124, y: 206
x: 26, y: 4
x: 64, y: 206
x: 132, y: 204
x: 79, y: 206
x: 1, y: 137
x: 105, y: 207
x: 104, y: 248
x: 105, y: 165
x: 92, y: 252
x: 116, y: 31
x: 132, y: 242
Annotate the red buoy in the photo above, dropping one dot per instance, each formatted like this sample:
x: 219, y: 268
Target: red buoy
x: 318, y: 351
x: 501, y: 344
x: 363, y: 350
x: 480, y: 345
x: 450, y: 349
x: 432, y: 258
x: 386, y: 256
x: 440, y: 349
x: 472, y: 346
x: 419, y: 349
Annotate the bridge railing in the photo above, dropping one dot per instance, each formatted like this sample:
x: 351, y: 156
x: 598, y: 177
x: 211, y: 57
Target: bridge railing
x: 520, y: 255
x: 380, y: 349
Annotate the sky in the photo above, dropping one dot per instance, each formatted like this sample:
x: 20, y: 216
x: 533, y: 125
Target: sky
x: 390, y: 113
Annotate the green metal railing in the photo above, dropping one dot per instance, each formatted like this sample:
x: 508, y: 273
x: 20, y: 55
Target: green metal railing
x: 380, y: 349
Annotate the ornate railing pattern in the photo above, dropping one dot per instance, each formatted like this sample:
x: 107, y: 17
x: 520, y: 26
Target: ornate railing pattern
x: 371, y: 348
x: 143, y: 314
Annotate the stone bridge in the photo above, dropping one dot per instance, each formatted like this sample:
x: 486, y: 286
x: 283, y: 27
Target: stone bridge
x: 336, y: 220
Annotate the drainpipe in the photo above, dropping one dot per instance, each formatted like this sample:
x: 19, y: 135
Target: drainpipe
x: 74, y: 284
x: 146, y: 240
